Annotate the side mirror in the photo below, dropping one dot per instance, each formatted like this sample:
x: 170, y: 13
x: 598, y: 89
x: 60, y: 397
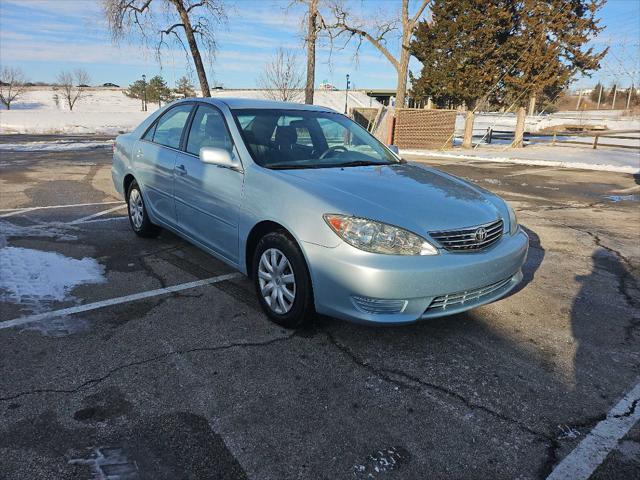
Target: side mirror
x: 394, y: 149
x: 220, y: 157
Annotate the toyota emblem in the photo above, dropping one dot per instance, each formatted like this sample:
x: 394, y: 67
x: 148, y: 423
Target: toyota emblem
x: 480, y: 234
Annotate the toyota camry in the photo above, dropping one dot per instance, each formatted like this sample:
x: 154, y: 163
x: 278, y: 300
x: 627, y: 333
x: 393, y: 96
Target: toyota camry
x: 317, y: 212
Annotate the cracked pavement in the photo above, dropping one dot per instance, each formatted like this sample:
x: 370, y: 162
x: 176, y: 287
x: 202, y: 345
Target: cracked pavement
x: 198, y: 384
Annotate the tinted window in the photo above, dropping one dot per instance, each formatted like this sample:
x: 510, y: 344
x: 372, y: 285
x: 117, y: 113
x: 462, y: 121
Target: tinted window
x: 208, y: 130
x: 308, y: 139
x: 168, y: 129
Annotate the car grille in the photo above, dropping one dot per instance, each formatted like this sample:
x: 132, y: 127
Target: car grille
x: 469, y: 239
x: 452, y: 300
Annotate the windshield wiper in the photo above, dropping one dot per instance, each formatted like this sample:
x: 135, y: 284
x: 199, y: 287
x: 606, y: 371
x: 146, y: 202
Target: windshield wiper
x: 292, y: 167
x: 358, y: 163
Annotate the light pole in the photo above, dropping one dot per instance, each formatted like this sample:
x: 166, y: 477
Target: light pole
x: 144, y: 91
x: 346, y: 95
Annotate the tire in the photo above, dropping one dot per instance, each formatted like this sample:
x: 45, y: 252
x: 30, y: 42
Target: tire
x: 138, y: 217
x: 291, y: 306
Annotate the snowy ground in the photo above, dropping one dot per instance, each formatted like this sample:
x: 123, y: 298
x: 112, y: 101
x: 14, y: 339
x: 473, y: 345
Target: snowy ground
x: 109, y: 111
x: 610, y: 159
x: 612, y: 120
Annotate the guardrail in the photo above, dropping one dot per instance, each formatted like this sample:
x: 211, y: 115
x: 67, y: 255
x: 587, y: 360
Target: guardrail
x: 556, y: 137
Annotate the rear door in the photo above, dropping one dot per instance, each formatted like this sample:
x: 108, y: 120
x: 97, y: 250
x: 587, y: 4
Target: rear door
x: 208, y: 197
x: 154, y: 161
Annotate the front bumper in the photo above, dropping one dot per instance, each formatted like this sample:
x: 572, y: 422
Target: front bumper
x: 449, y: 282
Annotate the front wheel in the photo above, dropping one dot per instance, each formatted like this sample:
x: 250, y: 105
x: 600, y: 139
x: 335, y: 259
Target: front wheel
x: 282, y: 281
x: 138, y: 217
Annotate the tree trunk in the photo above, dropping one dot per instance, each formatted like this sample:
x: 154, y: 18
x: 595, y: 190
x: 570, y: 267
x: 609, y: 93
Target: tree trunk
x: 312, y: 35
x: 532, y: 104
x: 467, y: 141
x: 518, y: 141
x: 193, y: 46
x: 403, y: 72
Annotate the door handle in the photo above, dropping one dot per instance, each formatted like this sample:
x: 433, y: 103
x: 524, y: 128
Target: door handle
x: 181, y: 169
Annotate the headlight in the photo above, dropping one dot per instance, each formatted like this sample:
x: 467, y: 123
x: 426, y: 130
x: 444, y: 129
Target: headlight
x: 513, y: 220
x: 377, y: 237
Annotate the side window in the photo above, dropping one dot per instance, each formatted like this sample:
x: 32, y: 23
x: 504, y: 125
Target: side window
x: 168, y: 129
x: 149, y: 135
x: 208, y: 129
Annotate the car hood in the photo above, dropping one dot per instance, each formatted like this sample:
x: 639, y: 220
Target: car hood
x: 412, y: 196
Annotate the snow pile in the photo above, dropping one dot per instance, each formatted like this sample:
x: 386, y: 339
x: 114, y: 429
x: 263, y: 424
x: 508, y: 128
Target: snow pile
x: 55, y: 146
x: 30, y: 276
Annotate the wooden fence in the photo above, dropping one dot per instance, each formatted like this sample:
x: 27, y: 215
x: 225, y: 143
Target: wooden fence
x: 410, y: 127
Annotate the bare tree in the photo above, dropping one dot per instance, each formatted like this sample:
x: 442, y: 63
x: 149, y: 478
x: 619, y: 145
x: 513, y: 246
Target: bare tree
x: 314, y: 24
x: 74, y: 85
x: 169, y: 21
x: 11, y: 85
x: 281, y: 77
x: 377, y: 33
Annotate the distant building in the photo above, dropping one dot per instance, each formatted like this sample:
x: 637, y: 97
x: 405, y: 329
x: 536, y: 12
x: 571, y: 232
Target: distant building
x: 327, y: 86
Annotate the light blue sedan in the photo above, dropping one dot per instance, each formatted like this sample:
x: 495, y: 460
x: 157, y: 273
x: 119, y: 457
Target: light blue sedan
x: 321, y: 215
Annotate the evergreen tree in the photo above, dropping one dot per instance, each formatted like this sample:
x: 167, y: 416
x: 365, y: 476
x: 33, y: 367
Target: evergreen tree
x: 158, y: 91
x: 184, y: 87
x: 548, y: 48
x: 595, y: 93
x: 504, y: 52
x: 136, y: 90
x: 460, y: 50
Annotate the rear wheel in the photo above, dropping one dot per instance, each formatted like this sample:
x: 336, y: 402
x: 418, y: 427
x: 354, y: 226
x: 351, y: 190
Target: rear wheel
x: 138, y: 217
x: 282, y: 281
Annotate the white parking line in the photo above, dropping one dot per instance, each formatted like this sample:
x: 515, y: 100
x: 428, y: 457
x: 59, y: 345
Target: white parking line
x: 591, y: 452
x: 10, y: 212
x: 115, y: 301
x: 99, y: 214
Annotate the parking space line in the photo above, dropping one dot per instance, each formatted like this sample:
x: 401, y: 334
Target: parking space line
x: 99, y: 214
x: 116, y: 301
x: 10, y: 212
x: 592, y: 451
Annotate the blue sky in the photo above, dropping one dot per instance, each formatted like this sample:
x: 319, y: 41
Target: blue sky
x: 46, y: 36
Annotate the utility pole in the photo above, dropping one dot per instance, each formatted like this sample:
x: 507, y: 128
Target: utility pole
x: 144, y: 91
x: 600, y: 95
x: 346, y: 95
x: 629, y: 96
x: 579, y: 99
x: 615, y: 92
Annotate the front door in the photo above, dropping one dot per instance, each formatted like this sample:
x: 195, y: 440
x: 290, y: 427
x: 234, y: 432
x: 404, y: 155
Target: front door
x: 154, y: 161
x: 208, y: 196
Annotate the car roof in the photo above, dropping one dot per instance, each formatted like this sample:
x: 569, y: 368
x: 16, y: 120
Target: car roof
x: 248, y: 103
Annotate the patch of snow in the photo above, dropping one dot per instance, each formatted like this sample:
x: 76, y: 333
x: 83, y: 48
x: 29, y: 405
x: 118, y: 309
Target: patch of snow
x: 55, y: 146
x: 381, y: 461
x: 32, y: 276
x: 493, y: 181
x: 623, y: 198
x: 8, y: 229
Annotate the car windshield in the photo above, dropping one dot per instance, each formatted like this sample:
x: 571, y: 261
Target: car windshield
x: 287, y: 139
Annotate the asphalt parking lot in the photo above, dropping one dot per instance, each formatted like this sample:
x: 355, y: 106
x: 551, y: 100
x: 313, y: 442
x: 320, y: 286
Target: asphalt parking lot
x: 196, y: 383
